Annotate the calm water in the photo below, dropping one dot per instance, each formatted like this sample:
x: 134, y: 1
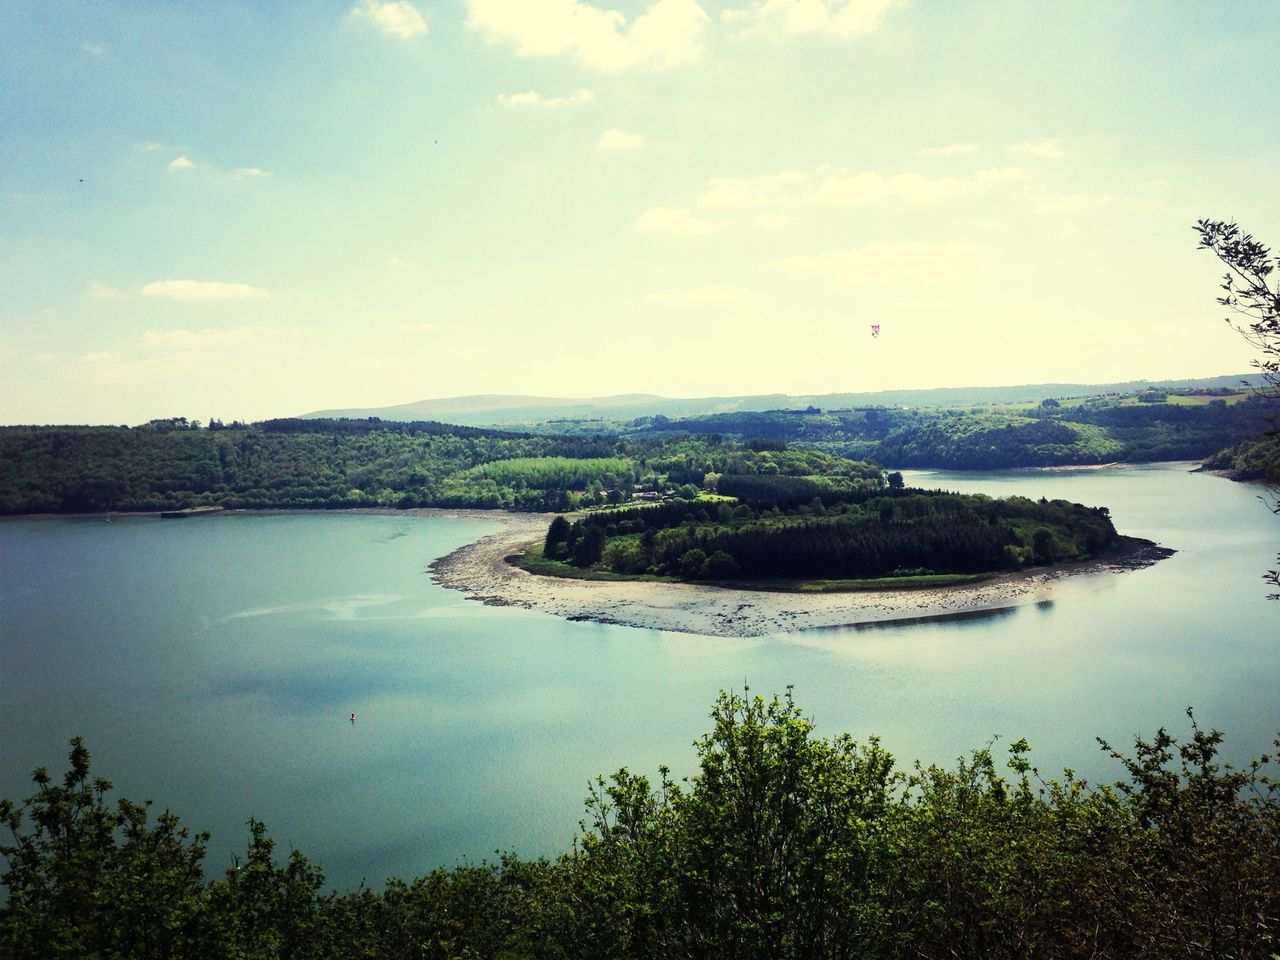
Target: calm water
x: 212, y: 665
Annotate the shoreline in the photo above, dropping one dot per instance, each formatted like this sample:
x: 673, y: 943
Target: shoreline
x: 482, y: 572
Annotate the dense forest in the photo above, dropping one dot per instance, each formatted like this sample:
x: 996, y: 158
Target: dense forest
x: 326, y: 464
x: 783, y: 845
x: 1254, y: 459
x: 312, y: 464
x: 1142, y: 428
x: 861, y: 532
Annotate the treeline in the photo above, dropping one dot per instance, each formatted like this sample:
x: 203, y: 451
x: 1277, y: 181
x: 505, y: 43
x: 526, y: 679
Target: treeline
x: 1096, y: 430
x: 323, y: 464
x: 862, y: 534
x: 367, y: 425
x: 84, y: 469
x: 994, y: 441
x: 1254, y: 459
x: 785, y: 845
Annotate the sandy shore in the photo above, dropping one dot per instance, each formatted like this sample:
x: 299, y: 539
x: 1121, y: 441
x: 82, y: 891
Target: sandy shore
x: 481, y: 570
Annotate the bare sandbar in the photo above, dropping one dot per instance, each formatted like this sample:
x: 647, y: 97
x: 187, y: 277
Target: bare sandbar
x: 481, y: 571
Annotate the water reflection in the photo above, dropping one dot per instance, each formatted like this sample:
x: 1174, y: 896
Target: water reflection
x: 214, y: 666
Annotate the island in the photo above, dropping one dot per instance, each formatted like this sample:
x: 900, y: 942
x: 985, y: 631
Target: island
x: 765, y: 564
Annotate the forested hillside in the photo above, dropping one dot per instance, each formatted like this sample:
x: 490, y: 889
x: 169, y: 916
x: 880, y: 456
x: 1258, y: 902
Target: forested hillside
x: 1141, y: 428
x: 1254, y: 459
x: 784, y: 845
x: 323, y: 464
x: 314, y: 464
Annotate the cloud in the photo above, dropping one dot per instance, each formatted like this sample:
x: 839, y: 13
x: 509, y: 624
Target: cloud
x: 772, y: 221
x: 950, y: 150
x: 666, y: 35
x: 184, y: 162
x: 698, y: 297
x: 860, y: 189
x: 100, y: 291
x: 396, y: 17
x: 533, y: 99
x: 168, y: 355
x: 751, y: 193
x: 826, y: 186
x: 1047, y: 148
x: 614, y: 140
x: 95, y: 49
x: 209, y: 339
x: 1064, y: 203
x: 202, y: 290
x: 993, y: 175
x: 780, y: 19
x: 672, y: 220
x: 889, y: 262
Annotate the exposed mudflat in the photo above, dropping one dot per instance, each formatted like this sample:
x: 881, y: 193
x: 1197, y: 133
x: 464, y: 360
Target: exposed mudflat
x: 481, y: 570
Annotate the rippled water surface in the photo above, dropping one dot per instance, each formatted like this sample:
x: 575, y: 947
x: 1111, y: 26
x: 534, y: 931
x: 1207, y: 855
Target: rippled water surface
x: 213, y: 663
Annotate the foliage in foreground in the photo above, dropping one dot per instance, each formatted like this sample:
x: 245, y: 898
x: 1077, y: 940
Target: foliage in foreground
x: 1254, y: 300
x: 784, y: 845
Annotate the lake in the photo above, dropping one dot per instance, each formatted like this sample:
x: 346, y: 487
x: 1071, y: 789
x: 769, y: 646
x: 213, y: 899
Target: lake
x: 212, y: 665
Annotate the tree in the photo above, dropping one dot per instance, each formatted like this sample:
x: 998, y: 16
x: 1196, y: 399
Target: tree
x: 557, y: 533
x: 1249, y: 293
x: 86, y: 880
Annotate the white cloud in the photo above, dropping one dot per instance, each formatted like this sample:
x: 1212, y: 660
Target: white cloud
x: 673, y: 220
x: 100, y: 291
x: 860, y: 189
x: 751, y: 193
x: 614, y: 140
x: 169, y: 355
x: 779, y: 19
x: 251, y: 172
x: 698, y: 297
x: 1047, y: 148
x: 826, y: 186
x: 208, y: 339
x: 950, y: 150
x: 202, y: 290
x: 1064, y: 203
x: 993, y: 175
x: 533, y: 99
x: 396, y: 17
x: 95, y: 49
x: 667, y: 34
x: 889, y: 263
x: 772, y: 221
x: 181, y: 163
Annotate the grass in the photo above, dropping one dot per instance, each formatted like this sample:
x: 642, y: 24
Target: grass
x: 533, y: 561
x: 852, y: 586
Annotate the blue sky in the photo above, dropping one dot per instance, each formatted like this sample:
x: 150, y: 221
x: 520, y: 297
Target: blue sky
x: 254, y: 210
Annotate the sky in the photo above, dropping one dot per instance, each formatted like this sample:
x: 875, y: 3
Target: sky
x: 253, y: 210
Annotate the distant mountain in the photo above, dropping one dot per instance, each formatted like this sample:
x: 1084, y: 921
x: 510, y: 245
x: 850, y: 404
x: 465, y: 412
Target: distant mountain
x: 481, y: 410
x: 499, y: 410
